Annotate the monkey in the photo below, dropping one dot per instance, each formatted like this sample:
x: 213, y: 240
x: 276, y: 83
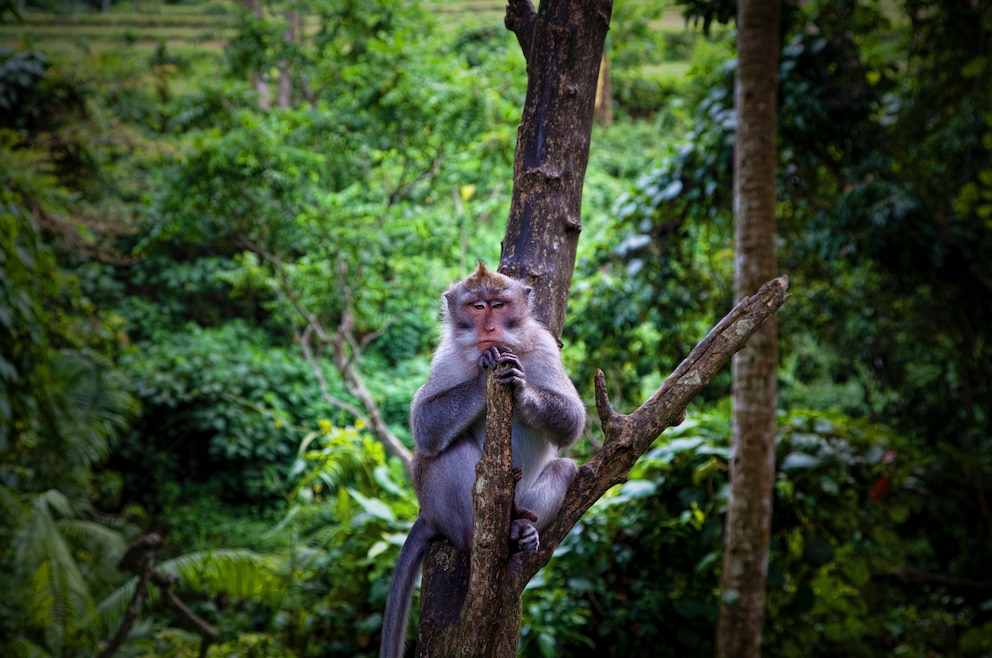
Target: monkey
x: 486, y: 322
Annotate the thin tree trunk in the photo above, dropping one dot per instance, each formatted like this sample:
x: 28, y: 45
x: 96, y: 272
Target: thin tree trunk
x: 752, y: 460
x: 285, y: 90
x: 604, y: 92
x: 261, y: 78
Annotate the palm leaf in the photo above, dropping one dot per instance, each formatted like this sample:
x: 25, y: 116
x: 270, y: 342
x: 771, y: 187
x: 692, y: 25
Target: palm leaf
x: 60, y: 595
x: 107, y: 545
x: 94, y: 401
x: 110, y: 612
x: 238, y: 572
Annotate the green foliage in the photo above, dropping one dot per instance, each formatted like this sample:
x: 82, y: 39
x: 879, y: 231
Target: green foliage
x: 60, y: 559
x: 163, y: 236
x: 347, y: 514
x: 707, y: 11
x: 235, y: 401
x: 28, y: 281
x: 236, y: 573
x: 642, y: 569
x: 62, y: 402
x: 662, y: 267
x: 20, y: 73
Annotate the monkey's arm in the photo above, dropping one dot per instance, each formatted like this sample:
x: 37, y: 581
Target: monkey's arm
x: 558, y: 416
x: 545, y: 397
x: 439, y: 415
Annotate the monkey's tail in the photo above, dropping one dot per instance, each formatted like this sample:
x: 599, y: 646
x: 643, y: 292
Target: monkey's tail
x: 401, y: 589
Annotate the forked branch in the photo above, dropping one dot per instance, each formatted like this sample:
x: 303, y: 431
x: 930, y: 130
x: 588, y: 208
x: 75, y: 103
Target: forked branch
x: 627, y: 437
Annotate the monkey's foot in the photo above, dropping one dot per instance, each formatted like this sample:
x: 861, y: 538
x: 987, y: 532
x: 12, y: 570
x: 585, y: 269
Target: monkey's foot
x: 523, y: 532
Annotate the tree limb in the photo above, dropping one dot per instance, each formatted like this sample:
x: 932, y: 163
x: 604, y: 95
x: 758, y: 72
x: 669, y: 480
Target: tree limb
x: 304, y: 340
x: 344, y: 351
x: 479, y: 632
x: 629, y: 436
x: 139, y: 559
x: 520, y: 18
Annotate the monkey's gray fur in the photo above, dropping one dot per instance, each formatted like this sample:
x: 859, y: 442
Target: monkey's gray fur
x: 486, y: 321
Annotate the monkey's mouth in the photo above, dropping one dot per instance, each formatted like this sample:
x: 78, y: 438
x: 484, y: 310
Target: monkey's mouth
x: 484, y: 345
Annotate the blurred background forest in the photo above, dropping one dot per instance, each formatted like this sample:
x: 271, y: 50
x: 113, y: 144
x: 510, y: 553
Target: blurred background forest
x: 224, y: 233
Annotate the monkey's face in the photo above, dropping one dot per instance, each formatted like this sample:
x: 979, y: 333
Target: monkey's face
x: 493, y: 322
x: 488, y: 309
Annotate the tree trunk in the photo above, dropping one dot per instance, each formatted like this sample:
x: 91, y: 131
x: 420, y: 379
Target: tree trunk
x: 261, y: 78
x: 604, y: 93
x: 752, y: 459
x: 563, y: 45
x: 284, y: 95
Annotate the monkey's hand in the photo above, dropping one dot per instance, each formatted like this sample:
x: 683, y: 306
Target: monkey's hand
x: 524, y: 534
x: 522, y: 530
x: 489, y: 358
x: 507, y: 366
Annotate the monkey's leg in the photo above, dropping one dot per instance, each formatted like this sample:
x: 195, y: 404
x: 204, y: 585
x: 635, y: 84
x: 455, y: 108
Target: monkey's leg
x: 445, y: 492
x: 545, y: 495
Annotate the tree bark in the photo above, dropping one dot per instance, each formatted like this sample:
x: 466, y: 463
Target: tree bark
x: 284, y: 95
x: 471, y: 628
x: 563, y: 45
x: 752, y: 457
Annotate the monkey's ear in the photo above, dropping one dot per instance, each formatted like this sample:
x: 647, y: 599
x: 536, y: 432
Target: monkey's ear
x: 450, y: 302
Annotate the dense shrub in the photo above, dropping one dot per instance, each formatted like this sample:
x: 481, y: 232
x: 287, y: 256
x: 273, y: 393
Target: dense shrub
x: 639, y: 575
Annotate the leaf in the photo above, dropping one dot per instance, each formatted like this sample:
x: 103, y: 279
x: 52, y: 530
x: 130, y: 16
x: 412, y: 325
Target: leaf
x: 666, y: 453
x: 373, y: 506
x: 633, y: 489
x: 974, y: 68
x: 239, y: 572
x: 818, y: 552
x: 799, y: 461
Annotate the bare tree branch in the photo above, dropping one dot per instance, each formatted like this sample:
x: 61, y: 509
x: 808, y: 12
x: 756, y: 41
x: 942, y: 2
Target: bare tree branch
x: 629, y: 436
x: 139, y: 559
x: 304, y: 339
x: 345, y: 349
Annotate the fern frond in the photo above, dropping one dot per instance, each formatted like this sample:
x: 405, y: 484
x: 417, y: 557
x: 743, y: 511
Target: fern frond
x: 238, y: 572
x: 110, y: 612
x: 107, y: 544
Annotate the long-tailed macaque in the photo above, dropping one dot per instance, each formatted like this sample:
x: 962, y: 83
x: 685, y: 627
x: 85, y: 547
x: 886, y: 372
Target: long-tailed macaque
x: 486, y: 321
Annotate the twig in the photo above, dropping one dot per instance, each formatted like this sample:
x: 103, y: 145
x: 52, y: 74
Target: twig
x: 140, y: 560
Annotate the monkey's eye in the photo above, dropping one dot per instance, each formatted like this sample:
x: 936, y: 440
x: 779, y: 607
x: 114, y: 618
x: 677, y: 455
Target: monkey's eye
x: 479, y: 306
x: 497, y: 304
